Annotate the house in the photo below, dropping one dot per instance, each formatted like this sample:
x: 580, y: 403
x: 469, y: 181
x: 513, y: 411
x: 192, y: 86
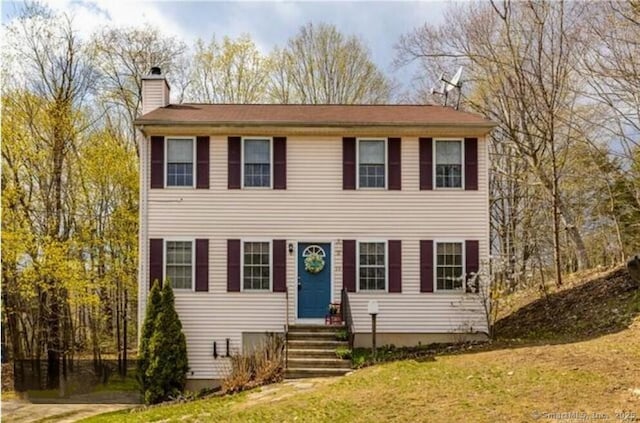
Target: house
x: 263, y: 215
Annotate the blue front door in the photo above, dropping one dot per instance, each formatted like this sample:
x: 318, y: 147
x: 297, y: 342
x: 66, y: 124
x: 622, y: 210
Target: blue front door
x: 314, y: 279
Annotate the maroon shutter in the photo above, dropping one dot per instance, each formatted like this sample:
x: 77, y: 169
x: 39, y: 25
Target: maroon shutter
x: 472, y: 261
x: 157, y: 162
x: 426, y: 266
x: 156, y: 251
x: 234, y: 162
x: 395, y: 266
x: 348, y: 163
x: 233, y: 265
x: 349, y: 265
x: 394, y: 151
x: 279, y: 265
x: 471, y: 164
x: 426, y: 163
x: 202, y: 160
x: 202, y: 265
x: 279, y: 163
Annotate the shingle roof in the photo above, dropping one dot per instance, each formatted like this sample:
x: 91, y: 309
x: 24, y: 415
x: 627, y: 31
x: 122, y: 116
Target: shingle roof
x: 313, y: 115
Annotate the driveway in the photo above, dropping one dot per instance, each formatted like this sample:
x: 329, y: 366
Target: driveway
x: 16, y: 410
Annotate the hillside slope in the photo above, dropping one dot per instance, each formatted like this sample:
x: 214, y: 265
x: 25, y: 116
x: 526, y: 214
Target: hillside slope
x: 582, y: 309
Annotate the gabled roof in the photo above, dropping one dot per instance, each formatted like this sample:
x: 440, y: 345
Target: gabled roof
x: 312, y: 115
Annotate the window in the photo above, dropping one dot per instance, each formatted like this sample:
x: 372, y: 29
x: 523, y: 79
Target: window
x: 180, y: 162
x: 257, y: 163
x: 449, y: 275
x: 371, y: 163
x: 372, y: 270
x: 449, y: 164
x: 179, y: 268
x: 256, y: 267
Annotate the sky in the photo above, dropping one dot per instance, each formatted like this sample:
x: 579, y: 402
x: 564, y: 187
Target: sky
x: 379, y: 24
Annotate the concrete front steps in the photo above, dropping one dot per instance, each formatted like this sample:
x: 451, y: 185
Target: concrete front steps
x: 312, y: 352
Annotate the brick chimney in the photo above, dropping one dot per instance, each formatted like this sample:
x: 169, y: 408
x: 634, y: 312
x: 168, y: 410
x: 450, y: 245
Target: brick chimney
x: 155, y: 91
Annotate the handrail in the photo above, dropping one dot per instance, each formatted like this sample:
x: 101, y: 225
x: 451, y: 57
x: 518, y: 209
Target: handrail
x: 346, y: 315
x: 286, y: 328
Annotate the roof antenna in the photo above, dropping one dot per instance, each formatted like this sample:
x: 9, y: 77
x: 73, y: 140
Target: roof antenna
x: 448, y: 85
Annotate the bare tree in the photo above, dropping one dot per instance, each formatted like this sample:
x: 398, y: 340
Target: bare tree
x: 521, y: 59
x: 231, y: 72
x: 123, y: 56
x: 320, y: 65
x: 611, y: 67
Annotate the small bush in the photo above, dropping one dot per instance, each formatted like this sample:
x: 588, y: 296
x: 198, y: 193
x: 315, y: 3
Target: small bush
x: 342, y: 335
x: 262, y: 366
x: 363, y: 357
x: 343, y: 353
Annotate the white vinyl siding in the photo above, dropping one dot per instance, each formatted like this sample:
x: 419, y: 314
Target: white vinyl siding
x: 314, y: 208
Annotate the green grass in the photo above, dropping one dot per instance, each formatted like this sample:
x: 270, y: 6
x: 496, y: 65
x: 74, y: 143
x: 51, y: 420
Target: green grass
x: 502, y: 385
x: 116, y: 383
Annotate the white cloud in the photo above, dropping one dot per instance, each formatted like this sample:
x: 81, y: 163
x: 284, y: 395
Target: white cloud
x: 93, y: 15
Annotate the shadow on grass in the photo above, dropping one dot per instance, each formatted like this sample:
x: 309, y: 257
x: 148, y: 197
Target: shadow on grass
x: 601, y: 306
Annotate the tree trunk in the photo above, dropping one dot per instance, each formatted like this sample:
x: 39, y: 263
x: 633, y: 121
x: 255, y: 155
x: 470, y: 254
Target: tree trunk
x: 124, y: 333
x: 556, y: 217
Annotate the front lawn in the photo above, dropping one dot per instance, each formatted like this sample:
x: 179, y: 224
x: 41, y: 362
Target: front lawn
x: 506, y: 384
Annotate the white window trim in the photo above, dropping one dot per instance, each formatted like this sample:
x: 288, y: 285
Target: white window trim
x: 386, y: 266
x: 386, y: 163
x: 242, y: 242
x: 462, y: 164
x: 464, y: 265
x: 166, y: 161
x: 259, y: 138
x: 193, y: 261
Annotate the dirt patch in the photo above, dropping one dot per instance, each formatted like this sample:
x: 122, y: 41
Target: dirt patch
x: 288, y: 388
x: 599, y: 306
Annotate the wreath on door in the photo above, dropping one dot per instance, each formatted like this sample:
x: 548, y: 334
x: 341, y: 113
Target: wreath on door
x: 313, y: 259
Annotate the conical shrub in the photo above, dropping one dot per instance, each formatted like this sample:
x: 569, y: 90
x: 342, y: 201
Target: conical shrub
x: 153, y: 308
x: 168, y: 364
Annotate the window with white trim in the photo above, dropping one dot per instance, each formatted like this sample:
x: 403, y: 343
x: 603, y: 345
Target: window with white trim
x: 180, y: 162
x: 257, y: 162
x: 372, y: 269
x: 449, y: 266
x: 179, y: 264
x: 256, y: 266
x: 448, y: 159
x: 371, y: 163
